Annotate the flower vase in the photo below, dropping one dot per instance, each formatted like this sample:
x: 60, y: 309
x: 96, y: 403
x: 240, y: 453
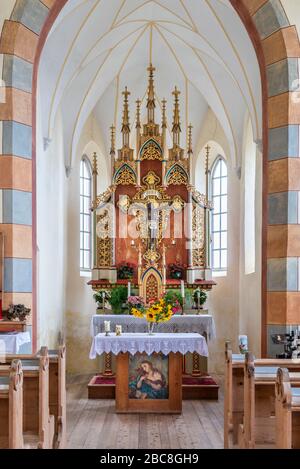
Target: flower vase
x: 151, y: 328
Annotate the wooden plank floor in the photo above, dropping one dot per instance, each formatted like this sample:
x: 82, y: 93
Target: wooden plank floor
x: 94, y: 424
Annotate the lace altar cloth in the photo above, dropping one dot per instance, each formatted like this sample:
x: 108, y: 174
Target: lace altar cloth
x: 203, y: 324
x: 143, y: 342
x: 10, y: 342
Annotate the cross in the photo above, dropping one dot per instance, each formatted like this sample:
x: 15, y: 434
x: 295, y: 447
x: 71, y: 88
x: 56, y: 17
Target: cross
x: 151, y: 69
x: 126, y: 93
x: 176, y: 93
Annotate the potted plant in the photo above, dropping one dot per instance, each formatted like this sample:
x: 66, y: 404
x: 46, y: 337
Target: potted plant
x: 19, y: 312
x: 125, y: 271
x: 101, y: 298
x: 174, y: 298
x: 118, y: 297
x: 200, y: 297
x: 176, y: 271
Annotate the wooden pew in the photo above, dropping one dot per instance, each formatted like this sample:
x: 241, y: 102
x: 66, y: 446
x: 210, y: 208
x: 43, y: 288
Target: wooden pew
x: 38, y: 424
x: 57, y: 394
x: 233, y: 395
x: 234, y: 389
x: 11, y: 407
x: 287, y: 411
x: 57, y: 389
x: 258, y: 427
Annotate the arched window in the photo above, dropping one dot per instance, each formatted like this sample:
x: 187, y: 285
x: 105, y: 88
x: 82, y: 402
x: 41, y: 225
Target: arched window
x: 85, y: 215
x: 219, y: 215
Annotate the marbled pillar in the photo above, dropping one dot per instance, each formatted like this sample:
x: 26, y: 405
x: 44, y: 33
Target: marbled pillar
x: 18, y: 44
x: 281, y: 50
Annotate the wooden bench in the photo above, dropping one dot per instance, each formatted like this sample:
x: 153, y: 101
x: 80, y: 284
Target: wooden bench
x: 38, y: 424
x: 234, y: 389
x: 259, y: 423
x: 287, y: 411
x: 11, y: 407
x: 57, y: 389
x: 57, y: 394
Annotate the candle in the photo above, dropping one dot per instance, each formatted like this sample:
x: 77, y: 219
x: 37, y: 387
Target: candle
x: 182, y: 289
x: 107, y: 326
x: 118, y: 329
x: 129, y: 289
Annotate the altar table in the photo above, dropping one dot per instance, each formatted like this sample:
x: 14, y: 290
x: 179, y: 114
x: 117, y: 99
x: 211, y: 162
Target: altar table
x: 203, y: 324
x: 11, y: 342
x: 149, y: 368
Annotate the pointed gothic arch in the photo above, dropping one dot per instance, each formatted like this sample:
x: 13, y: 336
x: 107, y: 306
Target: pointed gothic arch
x: 274, y: 40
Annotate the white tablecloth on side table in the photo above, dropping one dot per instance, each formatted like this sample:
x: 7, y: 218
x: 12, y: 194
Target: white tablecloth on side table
x: 10, y: 343
x: 200, y: 324
x: 139, y: 342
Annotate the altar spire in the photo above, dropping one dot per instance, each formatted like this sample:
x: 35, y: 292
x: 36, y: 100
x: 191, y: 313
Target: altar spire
x: 125, y: 123
x: 138, y: 127
x: 112, y: 141
x: 164, y: 130
x: 151, y: 95
x: 176, y: 129
x: 126, y: 153
x: 190, y: 141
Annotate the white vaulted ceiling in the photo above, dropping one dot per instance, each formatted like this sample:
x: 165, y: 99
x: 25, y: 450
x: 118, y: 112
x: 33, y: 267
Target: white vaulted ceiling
x: 96, y: 47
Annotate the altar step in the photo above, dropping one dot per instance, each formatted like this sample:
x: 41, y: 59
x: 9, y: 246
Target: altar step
x: 193, y: 387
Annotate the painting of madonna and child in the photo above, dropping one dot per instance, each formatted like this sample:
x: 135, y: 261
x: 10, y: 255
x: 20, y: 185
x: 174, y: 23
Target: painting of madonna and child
x: 148, y: 376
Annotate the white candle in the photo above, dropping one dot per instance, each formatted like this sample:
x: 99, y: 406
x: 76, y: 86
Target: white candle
x: 107, y: 326
x: 129, y: 289
x: 182, y: 289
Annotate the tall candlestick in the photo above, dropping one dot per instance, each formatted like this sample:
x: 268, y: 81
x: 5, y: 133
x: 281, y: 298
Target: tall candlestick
x: 182, y: 289
x: 107, y: 326
x: 129, y: 289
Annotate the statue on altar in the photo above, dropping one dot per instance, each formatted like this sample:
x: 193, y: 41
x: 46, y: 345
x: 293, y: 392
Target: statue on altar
x: 151, y: 215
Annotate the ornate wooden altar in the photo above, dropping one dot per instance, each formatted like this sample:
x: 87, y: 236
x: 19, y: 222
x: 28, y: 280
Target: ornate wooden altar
x: 151, y: 216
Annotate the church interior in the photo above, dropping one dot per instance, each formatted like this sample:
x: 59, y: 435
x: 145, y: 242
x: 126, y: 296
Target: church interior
x: 149, y: 224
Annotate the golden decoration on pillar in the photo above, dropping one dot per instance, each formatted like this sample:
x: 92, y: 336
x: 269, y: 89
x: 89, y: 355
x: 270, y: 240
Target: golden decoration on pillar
x: 151, y: 152
x: 125, y: 177
x: 198, y: 240
x: 152, y: 258
x: 177, y: 176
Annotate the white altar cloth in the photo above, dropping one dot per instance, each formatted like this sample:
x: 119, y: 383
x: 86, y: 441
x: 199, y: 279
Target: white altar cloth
x: 10, y: 343
x: 199, y: 324
x: 143, y: 342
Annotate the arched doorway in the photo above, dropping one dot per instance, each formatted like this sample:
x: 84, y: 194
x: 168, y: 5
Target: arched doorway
x: 23, y: 37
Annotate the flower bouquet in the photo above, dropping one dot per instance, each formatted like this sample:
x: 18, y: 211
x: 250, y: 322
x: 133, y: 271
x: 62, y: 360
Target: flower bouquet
x: 158, y: 311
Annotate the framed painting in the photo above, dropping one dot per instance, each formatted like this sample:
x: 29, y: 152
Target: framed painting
x: 148, y: 376
x: 149, y: 384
